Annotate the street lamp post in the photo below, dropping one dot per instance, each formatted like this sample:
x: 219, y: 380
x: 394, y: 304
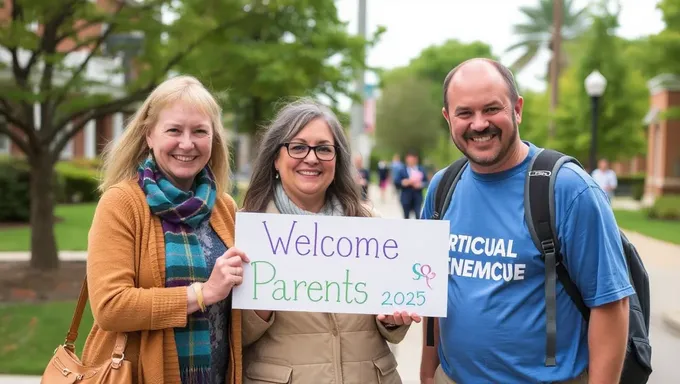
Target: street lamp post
x: 595, y: 85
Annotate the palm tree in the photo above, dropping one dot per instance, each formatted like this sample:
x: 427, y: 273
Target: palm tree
x: 550, y: 23
x: 537, y: 31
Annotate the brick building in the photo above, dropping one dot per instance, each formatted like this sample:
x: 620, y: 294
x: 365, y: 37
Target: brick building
x: 90, y: 141
x: 663, y: 138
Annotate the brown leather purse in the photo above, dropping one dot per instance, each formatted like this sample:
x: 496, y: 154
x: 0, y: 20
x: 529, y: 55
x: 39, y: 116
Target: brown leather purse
x: 66, y: 368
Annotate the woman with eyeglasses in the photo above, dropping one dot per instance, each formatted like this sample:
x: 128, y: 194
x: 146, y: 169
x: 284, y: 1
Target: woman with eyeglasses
x: 304, y: 167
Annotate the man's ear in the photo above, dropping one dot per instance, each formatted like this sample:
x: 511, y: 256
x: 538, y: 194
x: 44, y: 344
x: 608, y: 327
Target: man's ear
x: 519, y: 107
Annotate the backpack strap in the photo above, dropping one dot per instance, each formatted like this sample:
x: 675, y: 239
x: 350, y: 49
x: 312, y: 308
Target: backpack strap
x: 442, y: 198
x: 539, y: 210
x: 442, y: 195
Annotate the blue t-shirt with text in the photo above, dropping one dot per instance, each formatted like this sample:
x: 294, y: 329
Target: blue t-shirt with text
x: 494, y: 331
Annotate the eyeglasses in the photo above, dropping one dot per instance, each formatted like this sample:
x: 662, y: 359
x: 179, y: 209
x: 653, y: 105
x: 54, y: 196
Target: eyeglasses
x: 324, y: 152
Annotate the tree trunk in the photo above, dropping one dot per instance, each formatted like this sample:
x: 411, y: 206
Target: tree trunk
x: 44, y: 254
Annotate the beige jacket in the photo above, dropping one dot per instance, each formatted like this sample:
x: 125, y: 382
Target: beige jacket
x: 318, y: 348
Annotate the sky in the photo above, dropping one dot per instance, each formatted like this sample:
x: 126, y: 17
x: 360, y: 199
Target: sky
x: 413, y: 25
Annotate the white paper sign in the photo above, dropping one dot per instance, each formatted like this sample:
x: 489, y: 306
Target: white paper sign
x: 342, y: 264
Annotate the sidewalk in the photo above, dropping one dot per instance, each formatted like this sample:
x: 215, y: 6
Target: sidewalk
x: 25, y: 256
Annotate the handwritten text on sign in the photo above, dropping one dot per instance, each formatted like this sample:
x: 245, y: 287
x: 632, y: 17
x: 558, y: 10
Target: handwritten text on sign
x: 342, y: 264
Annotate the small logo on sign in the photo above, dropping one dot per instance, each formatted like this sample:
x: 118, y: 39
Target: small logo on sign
x: 540, y: 173
x: 423, y: 271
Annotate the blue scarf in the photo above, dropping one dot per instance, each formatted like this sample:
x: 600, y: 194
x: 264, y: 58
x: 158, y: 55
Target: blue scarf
x: 181, y: 213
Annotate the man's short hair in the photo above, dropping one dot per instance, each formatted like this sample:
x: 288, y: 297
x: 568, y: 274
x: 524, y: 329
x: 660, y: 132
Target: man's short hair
x: 508, y: 77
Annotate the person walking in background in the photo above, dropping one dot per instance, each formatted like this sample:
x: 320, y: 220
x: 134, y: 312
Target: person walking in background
x: 395, y: 170
x: 413, y: 179
x: 383, y: 173
x: 303, y: 167
x: 363, y: 176
x: 605, y: 178
x: 161, y: 263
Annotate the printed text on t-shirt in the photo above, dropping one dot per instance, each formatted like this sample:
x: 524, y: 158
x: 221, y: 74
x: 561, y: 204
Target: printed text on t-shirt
x: 502, y: 267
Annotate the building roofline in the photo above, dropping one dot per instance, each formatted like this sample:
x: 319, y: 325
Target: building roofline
x: 664, y: 82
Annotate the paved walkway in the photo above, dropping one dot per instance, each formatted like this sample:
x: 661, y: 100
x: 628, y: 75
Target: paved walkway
x: 661, y: 259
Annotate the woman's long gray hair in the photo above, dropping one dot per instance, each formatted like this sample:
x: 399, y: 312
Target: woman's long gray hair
x: 289, y: 121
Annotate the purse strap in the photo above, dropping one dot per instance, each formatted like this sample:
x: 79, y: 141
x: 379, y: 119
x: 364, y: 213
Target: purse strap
x: 72, y: 335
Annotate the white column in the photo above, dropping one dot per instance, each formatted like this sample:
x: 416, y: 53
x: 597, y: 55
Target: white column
x: 90, y: 139
x: 117, y: 126
x: 36, y: 115
x: 67, y: 152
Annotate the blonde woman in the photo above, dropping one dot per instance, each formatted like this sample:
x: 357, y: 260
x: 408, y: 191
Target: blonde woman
x: 161, y: 264
x: 304, y: 167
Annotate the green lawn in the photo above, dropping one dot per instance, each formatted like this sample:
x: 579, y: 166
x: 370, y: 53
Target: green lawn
x: 639, y: 222
x: 31, y: 332
x: 71, y: 232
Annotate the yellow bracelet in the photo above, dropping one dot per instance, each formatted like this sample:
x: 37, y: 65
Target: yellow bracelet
x: 198, y: 289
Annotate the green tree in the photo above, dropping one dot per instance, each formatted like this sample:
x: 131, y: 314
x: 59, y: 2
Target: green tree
x: 535, y: 117
x: 285, y: 48
x: 51, y: 66
x: 406, y: 117
x: 426, y: 73
x: 433, y: 64
x: 536, y: 31
x: 659, y: 53
x: 620, y: 131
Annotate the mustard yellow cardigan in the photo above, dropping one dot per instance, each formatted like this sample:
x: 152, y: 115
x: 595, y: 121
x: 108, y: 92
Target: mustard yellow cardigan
x: 125, y: 246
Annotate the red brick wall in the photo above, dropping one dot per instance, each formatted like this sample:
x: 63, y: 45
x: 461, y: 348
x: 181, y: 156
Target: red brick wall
x: 104, y: 132
x: 665, y: 178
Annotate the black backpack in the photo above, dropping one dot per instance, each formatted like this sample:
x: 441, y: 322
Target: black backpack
x: 540, y: 217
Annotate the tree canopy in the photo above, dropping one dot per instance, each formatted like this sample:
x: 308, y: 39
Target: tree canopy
x: 620, y: 129
x: 68, y: 57
x: 418, y: 89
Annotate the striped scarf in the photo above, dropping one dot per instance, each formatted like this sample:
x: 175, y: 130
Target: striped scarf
x: 181, y: 213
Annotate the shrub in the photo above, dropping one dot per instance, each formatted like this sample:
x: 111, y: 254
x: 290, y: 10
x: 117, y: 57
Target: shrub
x: 78, y: 181
x: 666, y: 208
x: 638, y: 191
x: 15, y: 192
x: 631, y: 185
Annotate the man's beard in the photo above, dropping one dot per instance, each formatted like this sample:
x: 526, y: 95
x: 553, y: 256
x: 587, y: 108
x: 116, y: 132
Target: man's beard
x: 492, y: 129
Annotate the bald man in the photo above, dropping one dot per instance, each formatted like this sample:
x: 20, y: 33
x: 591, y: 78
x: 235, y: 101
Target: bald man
x: 495, y: 328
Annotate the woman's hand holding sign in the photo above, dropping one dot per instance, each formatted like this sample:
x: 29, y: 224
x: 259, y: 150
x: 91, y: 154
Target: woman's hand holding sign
x: 399, y: 318
x: 228, y: 272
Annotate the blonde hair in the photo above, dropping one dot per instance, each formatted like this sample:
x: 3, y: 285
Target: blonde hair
x: 121, y: 159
